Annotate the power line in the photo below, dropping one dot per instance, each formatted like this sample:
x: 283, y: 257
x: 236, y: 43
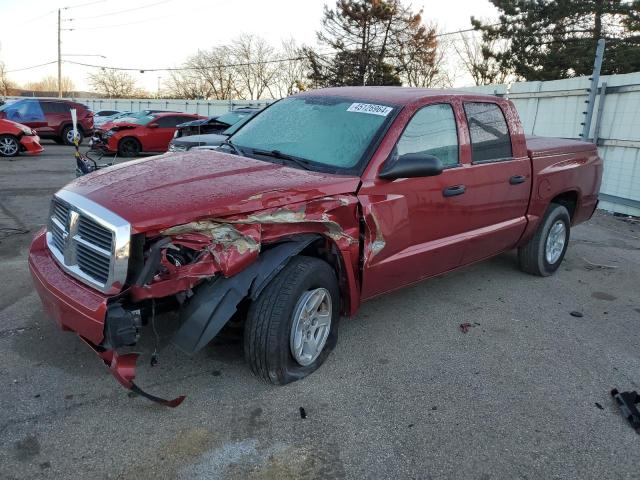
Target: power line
x: 120, y: 24
x: 39, y: 17
x: 155, y: 4
x: 83, y: 4
x: 31, y: 67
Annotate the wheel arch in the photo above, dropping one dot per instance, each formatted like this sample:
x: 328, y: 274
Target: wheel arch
x: 568, y: 199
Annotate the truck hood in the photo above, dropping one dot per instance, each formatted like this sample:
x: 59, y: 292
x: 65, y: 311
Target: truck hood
x: 176, y: 188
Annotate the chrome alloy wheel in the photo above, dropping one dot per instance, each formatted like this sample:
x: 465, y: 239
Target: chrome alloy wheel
x: 8, y: 146
x: 71, y: 136
x: 556, y: 239
x: 311, y: 325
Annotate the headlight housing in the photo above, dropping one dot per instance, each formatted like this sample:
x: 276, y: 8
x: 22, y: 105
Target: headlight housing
x: 109, y: 133
x: 26, y: 130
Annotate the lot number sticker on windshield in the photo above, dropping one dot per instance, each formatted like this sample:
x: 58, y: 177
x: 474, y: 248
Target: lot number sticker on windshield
x: 381, y: 110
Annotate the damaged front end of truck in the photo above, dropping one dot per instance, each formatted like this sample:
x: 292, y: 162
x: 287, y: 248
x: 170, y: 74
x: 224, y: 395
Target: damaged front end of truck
x: 203, y: 269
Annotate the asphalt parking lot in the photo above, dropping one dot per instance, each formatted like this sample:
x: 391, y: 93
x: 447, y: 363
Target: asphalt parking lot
x: 524, y: 394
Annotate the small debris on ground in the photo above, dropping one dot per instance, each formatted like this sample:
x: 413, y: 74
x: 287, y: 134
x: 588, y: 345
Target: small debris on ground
x: 599, y: 406
x: 303, y: 413
x: 577, y: 314
x: 627, y: 402
x: 593, y: 266
x: 464, y: 327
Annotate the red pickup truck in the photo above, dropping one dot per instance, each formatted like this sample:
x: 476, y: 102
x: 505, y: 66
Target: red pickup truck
x: 321, y: 201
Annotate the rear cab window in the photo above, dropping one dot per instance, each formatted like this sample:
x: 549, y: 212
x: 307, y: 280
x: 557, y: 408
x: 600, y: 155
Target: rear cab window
x: 432, y: 130
x: 490, y: 137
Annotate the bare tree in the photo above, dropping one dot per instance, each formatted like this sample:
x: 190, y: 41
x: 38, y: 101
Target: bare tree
x: 422, y: 58
x: 291, y: 71
x: 254, y: 66
x: 5, y: 83
x: 188, y: 84
x: 112, y: 83
x: 50, y: 84
x: 483, y: 68
x: 207, y: 74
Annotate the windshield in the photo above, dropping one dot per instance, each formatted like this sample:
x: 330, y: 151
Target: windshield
x: 330, y: 132
x: 231, y: 118
x: 236, y: 126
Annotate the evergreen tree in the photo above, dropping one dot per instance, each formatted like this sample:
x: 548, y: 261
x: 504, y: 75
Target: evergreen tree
x: 371, y: 40
x: 551, y: 39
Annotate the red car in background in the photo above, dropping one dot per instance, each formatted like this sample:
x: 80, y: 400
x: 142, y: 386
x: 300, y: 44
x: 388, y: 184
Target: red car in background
x: 16, y: 138
x: 50, y: 118
x: 144, y: 133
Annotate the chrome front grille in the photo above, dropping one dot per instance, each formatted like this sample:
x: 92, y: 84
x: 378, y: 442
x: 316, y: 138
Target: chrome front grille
x: 90, y: 242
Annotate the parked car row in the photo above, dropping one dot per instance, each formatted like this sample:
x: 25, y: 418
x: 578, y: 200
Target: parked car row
x: 126, y: 133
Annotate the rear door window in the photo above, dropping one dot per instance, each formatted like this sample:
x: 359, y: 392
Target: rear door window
x: 490, y: 138
x: 433, y: 131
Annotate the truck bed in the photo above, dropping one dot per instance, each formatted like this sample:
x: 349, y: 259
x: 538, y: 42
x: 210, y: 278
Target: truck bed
x: 549, y: 146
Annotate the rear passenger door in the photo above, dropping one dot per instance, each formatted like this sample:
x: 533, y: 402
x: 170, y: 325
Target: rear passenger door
x: 498, y: 186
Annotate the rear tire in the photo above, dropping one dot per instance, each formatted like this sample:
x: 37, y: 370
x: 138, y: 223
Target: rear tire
x: 545, y: 251
x: 128, y: 147
x: 283, y: 311
x: 9, y: 146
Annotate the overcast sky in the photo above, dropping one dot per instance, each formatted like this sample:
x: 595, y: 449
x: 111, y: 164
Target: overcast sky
x: 167, y: 31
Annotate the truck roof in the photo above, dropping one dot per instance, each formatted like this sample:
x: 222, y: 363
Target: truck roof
x: 391, y: 95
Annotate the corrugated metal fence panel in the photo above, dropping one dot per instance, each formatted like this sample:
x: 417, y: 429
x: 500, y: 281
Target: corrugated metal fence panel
x: 555, y: 109
x: 201, y: 107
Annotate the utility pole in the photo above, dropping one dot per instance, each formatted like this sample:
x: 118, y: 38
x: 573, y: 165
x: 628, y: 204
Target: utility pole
x: 59, y: 59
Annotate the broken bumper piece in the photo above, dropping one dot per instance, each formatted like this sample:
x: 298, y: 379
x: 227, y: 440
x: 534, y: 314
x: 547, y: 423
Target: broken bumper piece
x: 123, y: 368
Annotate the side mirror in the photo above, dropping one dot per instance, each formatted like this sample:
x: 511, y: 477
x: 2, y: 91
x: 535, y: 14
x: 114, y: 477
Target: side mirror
x: 153, y: 125
x: 411, y: 165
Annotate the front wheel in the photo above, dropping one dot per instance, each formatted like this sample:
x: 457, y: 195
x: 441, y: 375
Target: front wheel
x: 129, y: 147
x: 9, y: 146
x: 544, y: 253
x: 293, y: 324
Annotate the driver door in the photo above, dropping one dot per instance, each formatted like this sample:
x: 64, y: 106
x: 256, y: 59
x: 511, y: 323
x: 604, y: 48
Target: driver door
x: 416, y: 225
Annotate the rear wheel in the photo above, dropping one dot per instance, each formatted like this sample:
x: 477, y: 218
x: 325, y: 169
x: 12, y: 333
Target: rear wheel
x: 9, y: 146
x: 67, y: 135
x: 293, y: 325
x: 545, y: 251
x: 129, y: 147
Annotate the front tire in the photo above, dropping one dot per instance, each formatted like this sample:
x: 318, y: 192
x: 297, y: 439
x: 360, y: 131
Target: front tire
x: 292, y: 326
x: 545, y: 251
x: 129, y: 147
x: 9, y: 146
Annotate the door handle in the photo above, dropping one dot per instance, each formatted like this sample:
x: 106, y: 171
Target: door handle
x: 454, y: 190
x: 516, y: 179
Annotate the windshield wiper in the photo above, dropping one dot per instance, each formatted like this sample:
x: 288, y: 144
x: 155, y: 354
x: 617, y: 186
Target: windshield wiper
x: 233, y: 147
x: 301, y: 162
